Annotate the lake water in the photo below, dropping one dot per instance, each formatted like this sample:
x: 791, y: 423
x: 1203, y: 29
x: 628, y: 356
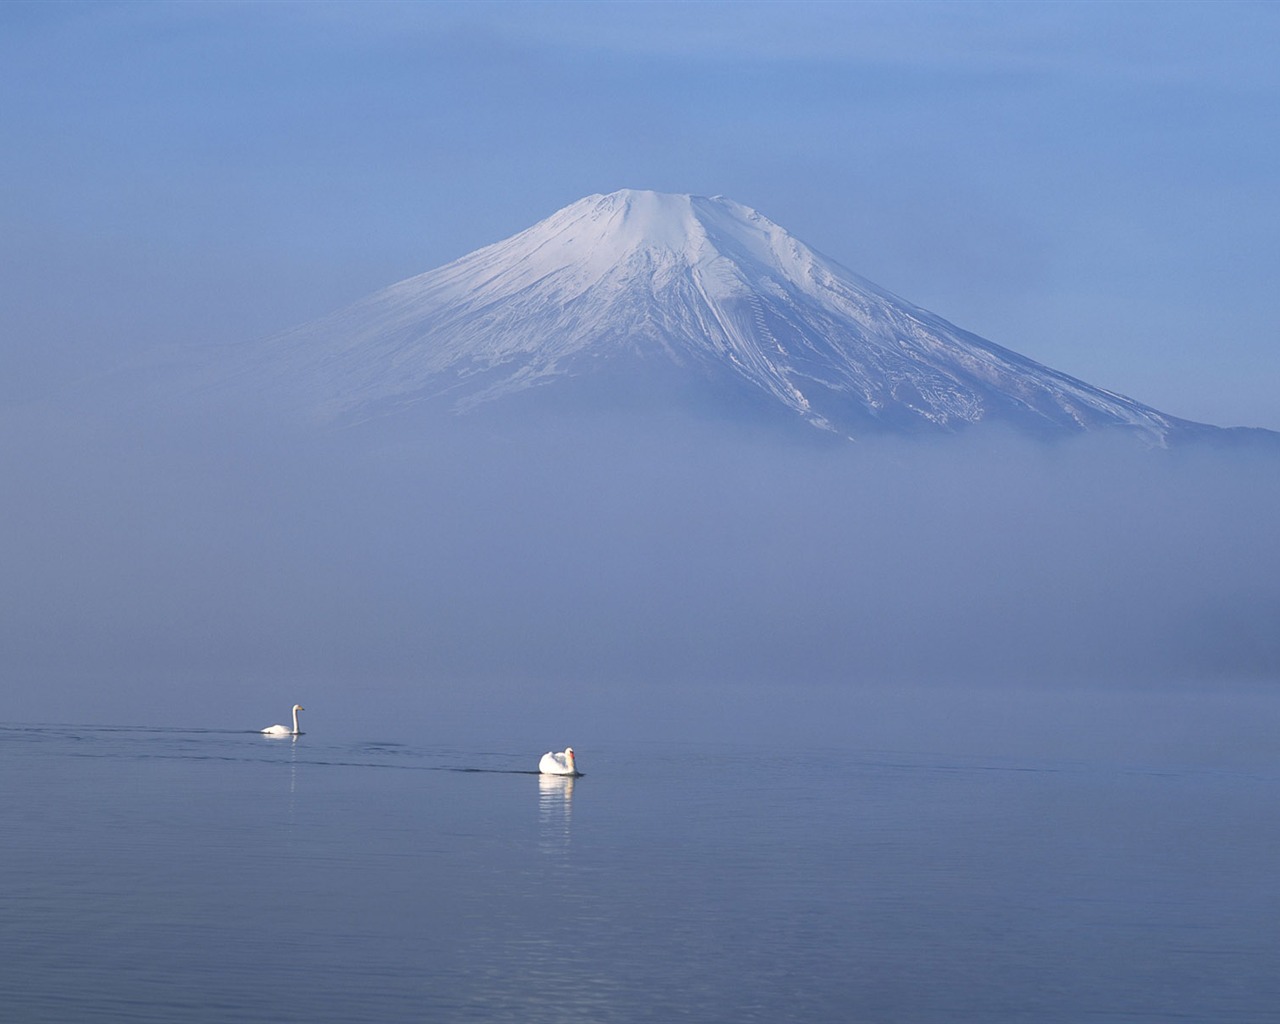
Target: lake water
x: 186, y: 875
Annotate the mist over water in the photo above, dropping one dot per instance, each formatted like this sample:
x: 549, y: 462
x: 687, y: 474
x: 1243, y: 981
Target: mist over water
x: 660, y: 576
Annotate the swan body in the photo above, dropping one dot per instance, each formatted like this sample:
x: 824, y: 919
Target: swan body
x: 558, y: 764
x: 284, y: 730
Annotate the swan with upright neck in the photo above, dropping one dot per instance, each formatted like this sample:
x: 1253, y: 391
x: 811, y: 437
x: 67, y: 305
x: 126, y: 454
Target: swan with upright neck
x: 284, y: 730
x: 558, y: 764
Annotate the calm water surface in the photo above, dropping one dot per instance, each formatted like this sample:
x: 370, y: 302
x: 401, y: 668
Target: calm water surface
x: 185, y: 875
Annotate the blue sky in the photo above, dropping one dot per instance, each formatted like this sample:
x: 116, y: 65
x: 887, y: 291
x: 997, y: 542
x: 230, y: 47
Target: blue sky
x: 1094, y: 185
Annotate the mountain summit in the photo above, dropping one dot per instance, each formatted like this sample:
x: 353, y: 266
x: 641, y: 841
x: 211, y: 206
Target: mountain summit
x: 644, y: 296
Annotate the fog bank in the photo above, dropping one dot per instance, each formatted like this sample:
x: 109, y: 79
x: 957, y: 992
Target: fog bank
x: 193, y: 572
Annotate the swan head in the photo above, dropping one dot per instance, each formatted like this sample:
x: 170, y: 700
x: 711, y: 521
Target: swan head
x: 299, y: 707
x: 568, y: 754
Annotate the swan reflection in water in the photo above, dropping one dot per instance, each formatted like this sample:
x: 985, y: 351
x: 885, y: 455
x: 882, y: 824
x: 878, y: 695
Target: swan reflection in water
x: 555, y: 811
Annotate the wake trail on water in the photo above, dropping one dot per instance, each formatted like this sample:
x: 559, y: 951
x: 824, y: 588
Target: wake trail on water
x: 80, y: 733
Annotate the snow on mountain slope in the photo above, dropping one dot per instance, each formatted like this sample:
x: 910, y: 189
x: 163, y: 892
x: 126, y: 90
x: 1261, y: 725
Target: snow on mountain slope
x: 636, y: 288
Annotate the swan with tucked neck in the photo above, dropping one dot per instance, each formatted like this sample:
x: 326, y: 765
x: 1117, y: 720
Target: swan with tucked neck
x: 284, y: 730
x: 558, y: 764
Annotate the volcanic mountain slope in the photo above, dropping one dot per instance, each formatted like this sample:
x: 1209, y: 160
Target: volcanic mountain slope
x: 675, y: 298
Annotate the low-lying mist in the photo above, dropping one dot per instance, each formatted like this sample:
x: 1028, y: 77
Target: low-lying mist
x: 596, y: 572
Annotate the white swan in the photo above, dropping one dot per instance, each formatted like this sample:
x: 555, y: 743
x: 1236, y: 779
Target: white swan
x: 558, y: 764
x: 284, y: 730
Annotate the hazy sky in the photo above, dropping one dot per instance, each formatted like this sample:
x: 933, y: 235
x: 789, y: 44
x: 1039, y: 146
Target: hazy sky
x: 1093, y: 185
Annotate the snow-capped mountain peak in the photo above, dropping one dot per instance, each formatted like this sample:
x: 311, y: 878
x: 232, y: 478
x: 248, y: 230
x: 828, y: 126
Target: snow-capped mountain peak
x: 689, y: 298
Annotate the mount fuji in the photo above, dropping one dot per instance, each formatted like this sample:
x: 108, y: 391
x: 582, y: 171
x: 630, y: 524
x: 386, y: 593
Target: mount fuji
x: 659, y: 300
